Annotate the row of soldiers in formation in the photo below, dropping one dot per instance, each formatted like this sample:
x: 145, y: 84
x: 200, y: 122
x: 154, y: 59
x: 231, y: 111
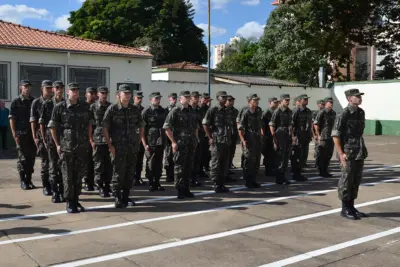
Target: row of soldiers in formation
x: 103, y: 144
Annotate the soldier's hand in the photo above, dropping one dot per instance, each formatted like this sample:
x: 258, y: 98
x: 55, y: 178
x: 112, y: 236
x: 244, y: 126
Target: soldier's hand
x: 319, y: 139
x: 147, y: 148
x: 93, y: 144
x: 294, y: 140
x: 16, y: 138
x: 174, y: 147
x: 343, y: 159
x: 211, y: 142
x: 112, y: 150
x: 59, y: 151
x: 244, y: 143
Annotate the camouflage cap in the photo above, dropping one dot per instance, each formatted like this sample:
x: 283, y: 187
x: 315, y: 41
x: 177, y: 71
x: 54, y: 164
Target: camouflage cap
x: 205, y: 95
x: 138, y: 93
x: 253, y: 97
x: 73, y: 85
x: 273, y: 99
x: 229, y: 97
x: 195, y: 93
x: 58, y: 83
x: 184, y: 93
x: 25, y: 82
x: 47, y: 83
x: 174, y: 95
x: 321, y: 102
x: 284, y: 96
x: 124, y: 88
x: 222, y: 93
x: 304, y: 96
x: 91, y: 90
x: 102, y: 89
x: 353, y: 92
x: 155, y: 94
x: 328, y: 99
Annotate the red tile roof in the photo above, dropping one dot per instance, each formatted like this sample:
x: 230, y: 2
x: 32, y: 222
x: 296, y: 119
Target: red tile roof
x: 18, y: 36
x: 182, y: 66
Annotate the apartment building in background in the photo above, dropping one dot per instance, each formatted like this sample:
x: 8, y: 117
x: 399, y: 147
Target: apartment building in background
x: 219, y: 50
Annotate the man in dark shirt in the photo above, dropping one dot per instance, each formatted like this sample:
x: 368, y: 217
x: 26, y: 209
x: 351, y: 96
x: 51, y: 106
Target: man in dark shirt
x: 22, y: 133
x: 194, y: 103
x: 168, y: 155
x: 232, y: 113
x: 347, y: 135
x: 321, y: 106
x: 36, y: 111
x: 268, y: 146
x: 138, y: 181
x: 205, y: 101
x: 88, y: 180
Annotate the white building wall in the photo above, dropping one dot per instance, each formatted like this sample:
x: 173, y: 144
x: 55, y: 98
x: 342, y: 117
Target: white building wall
x: 160, y: 76
x: 187, y: 76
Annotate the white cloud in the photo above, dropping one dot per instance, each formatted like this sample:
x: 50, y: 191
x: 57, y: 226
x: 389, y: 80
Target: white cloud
x: 251, y: 29
x: 202, y: 5
x: 19, y: 13
x: 219, y: 4
x: 250, y: 2
x: 215, y: 31
x: 62, y: 23
x: 196, y: 4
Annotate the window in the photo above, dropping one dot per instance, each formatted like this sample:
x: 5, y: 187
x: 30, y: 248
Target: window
x: 88, y: 77
x: 5, y: 80
x: 36, y: 73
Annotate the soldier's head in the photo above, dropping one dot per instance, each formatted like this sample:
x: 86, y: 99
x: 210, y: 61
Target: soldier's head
x: 253, y: 100
x: 91, y: 94
x: 102, y: 93
x: 195, y: 98
x: 73, y: 91
x: 328, y: 102
x: 58, y: 89
x: 124, y: 94
x: 172, y: 98
x: 155, y: 98
x: 321, y: 104
x: 354, y: 96
x: 205, y: 99
x: 138, y: 97
x: 184, y: 98
x: 273, y: 102
x: 47, y: 88
x: 25, y: 86
x: 285, y: 100
x: 303, y: 100
x: 296, y: 101
x: 221, y: 97
x: 230, y: 101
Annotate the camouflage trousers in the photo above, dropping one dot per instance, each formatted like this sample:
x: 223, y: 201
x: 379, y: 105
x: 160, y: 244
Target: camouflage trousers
x: 88, y: 179
x: 232, y: 148
x: 102, y: 165
x: 325, y: 152
x: 219, y: 163
x: 198, y: 154
x: 139, y: 162
x: 284, y: 150
x: 350, y: 180
x: 169, y: 161
x: 44, y: 165
x: 206, y: 154
x: 73, y: 169
x: 123, y: 164
x: 26, y: 150
x: 54, y: 167
x: 251, y: 157
x: 269, y: 155
x: 299, y: 156
x: 183, y: 164
x: 154, y: 163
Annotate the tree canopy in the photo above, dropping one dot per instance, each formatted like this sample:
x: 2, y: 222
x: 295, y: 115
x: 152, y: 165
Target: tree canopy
x: 165, y: 26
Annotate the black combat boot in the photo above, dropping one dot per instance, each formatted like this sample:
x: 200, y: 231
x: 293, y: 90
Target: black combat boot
x: 47, y: 188
x: 106, y: 190
x: 78, y: 205
x: 128, y: 202
x: 71, y: 206
x: 56, y: 194
x: 24, y: 184
x: 194, y: 182
x: 29, y: 181
x: 203, y: 174
x: 118, y: 199
x: 297, y: 176
x: 229, y: 179
x: 347, y: 212
x: 152, y: 186
x: 158, y: 185
x: 220, y: 188
x: 188, y: 193
x: 356, y: 212
x: 89, y: 187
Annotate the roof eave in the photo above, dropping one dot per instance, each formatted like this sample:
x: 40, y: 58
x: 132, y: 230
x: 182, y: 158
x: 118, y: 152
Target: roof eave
x: 73, y: 51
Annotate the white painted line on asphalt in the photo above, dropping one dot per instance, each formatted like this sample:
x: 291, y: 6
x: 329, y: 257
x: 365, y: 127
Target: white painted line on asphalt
x: 38, y: 215
x: 199, y: 239
x: 319, y: 252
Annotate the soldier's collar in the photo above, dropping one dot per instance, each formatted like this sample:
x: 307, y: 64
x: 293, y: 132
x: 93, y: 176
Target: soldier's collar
x: 23, y: 98
x: 55, y: 101
x: 352, y: 108
x: 98, y: 103
x: 220, y: 107
x: 69, y: 103
x: 155, y: 107
x: 283, y: 108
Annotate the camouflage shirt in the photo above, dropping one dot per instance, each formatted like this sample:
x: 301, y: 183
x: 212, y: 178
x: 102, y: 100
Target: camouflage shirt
x: 218, y: 119
x: 20, y: 111
x: 170, y: 107
x: 71, y: 121
x: 123, y: 125
x: 267, y: 116
x: 97, y: 111
x: 281, y: 119
x: 251, y: 122
x: 349, y: 127
x: 325, y: 120
x: 45, y: 118
x: 302, y: 123
x: 182, y: 122
x: 154, y: 118
x: 36, y: 111
x: 233, y: 113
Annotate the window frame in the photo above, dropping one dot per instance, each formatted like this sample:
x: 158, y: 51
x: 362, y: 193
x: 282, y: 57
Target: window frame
x: 8, y: 85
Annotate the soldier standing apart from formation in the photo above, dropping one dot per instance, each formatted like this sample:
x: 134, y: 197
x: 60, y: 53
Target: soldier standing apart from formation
x: 154, y: 140
x: 36, y: 111
x: 20, y: 110
x: 168, y: 155
x: 321, y: 106
x: 123, y: 128
x: 282, y: 133
x: 268, y: 146
x: 181, y: 129
x: 323, y: 123
x: 101, y: 154
x: 88, y: 180
x: 54, y: 160
x: 70, y: 126
x: 251, y: 133
x: 194, y: 103
x: 233, y: 113
x: 217, y: 126
x: 347, y: 135
x: 205, y: 101
x: 138, y: 181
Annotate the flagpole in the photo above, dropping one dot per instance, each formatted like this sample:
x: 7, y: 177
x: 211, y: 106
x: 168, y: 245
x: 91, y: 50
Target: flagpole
x: 209, y: 49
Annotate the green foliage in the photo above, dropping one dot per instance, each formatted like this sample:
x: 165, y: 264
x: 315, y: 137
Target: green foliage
x: 166, y: 26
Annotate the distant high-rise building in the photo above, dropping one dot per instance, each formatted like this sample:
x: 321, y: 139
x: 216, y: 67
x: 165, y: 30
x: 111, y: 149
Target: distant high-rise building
x: 218, y: 54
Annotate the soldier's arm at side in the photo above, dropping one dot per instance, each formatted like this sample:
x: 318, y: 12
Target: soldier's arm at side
x: 272, y: 125
x: 168, y: 125
x: 33, y: 119
x: 54, y: 123
x: 106, y: 126
x: 337, y: 131
x: 42, y: 123
x: 242, y: 128
x: 144, y: 118
x: 206, y: 124
x: 13, y: 117
x: 141, y: 124
x: 91, y: 123
x: 317, y: 123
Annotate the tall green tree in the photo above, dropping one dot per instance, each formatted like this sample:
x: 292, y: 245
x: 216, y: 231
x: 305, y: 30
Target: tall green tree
x: 165, y: 26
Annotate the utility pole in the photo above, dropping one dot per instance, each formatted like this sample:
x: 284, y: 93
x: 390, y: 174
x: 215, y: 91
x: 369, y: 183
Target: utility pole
x: 209, y: 49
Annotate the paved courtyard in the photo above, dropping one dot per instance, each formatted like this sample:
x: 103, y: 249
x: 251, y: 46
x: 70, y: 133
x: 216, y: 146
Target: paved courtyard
x: 296, y: 225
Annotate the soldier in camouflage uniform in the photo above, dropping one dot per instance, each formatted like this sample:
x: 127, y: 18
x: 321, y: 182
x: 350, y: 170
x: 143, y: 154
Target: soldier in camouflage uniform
x: 36, y: 111
x: 282, y: 133
x: 101, y: 154
x: 251, y: 132
x: 233, y: 113
x: 302, y: 123
x: 323, y: 123
x: 168, y: 155
x: 123, y: 130
x: 181, y: 128
x: 20, y: 110
x: 268, y: 144
x: 217, y: 125
x: 56, y: 181
x: 194, y: 103
x: 88, y: 180
x: 347, y: 135
x: 138, y: 181
x: 205, y: 101
x: 154, y: 140
x: 70, y: 125
x: 321, y: 106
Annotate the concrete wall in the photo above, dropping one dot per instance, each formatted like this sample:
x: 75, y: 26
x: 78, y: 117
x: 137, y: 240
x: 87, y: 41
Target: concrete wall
x: 160, y: 76
x: 187, y: 76
x: 380, y: 102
